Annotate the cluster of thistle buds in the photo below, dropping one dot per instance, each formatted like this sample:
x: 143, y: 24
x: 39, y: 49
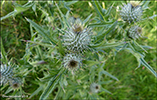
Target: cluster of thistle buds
x: 131, y: 13
x: 76, y: 40
x: 6, y: 76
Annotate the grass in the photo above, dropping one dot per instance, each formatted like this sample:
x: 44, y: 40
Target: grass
x: 133, y: 84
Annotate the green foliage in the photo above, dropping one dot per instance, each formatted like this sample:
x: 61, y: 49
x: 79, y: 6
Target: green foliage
x: 33, y: 46
x: 18, y: 9
x: 3, y: 54
x: 42, y: 31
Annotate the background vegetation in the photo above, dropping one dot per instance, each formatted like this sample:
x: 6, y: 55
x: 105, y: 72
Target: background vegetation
x: 133, y: 84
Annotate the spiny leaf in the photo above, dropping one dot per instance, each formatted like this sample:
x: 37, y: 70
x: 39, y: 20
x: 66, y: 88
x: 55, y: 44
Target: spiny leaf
x: 62, y: 15
x: 108, y: 11
x: 99, y: 10
x: 101, y: 24
x: 140, y: 59
x: 102, y: 71
x: 112, y: 27
x: 8, y: 15
x: 42, y: 31
x: 84, y: 22
x: 4, y: 54
x: 102, y: 89
x: 148, y: 67
x: 66, y: 4
x: 39, y: 43
x: 18, y: 9
x: 36, y: 91
x: 139, y: 46
x: 90, y: 62
x: 104, y: 45
x: 60, y: 48
x: 108, y: 74
x: 144, y: 4
x: 51, y: 85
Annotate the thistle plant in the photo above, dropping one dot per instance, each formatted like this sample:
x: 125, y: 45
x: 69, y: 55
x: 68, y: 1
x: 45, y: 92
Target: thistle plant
x: 61, y: 44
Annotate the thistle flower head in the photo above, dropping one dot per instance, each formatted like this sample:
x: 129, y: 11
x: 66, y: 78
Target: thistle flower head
x: 77, y: 37
x: 5, y: 74
x: 94, y: 88
x: 130, y: 13
x: 135, y: 32
x: 15, y: 83
x: 72, y: 62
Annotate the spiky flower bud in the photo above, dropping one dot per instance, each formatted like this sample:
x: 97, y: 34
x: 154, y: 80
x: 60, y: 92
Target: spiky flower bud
x: 15, y: 83
x: 135, y: 32
x: 94, y: 88
x: 72, y: 62
x: 77, y: 37
x: 5, y: 74
x: 130, y: 13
